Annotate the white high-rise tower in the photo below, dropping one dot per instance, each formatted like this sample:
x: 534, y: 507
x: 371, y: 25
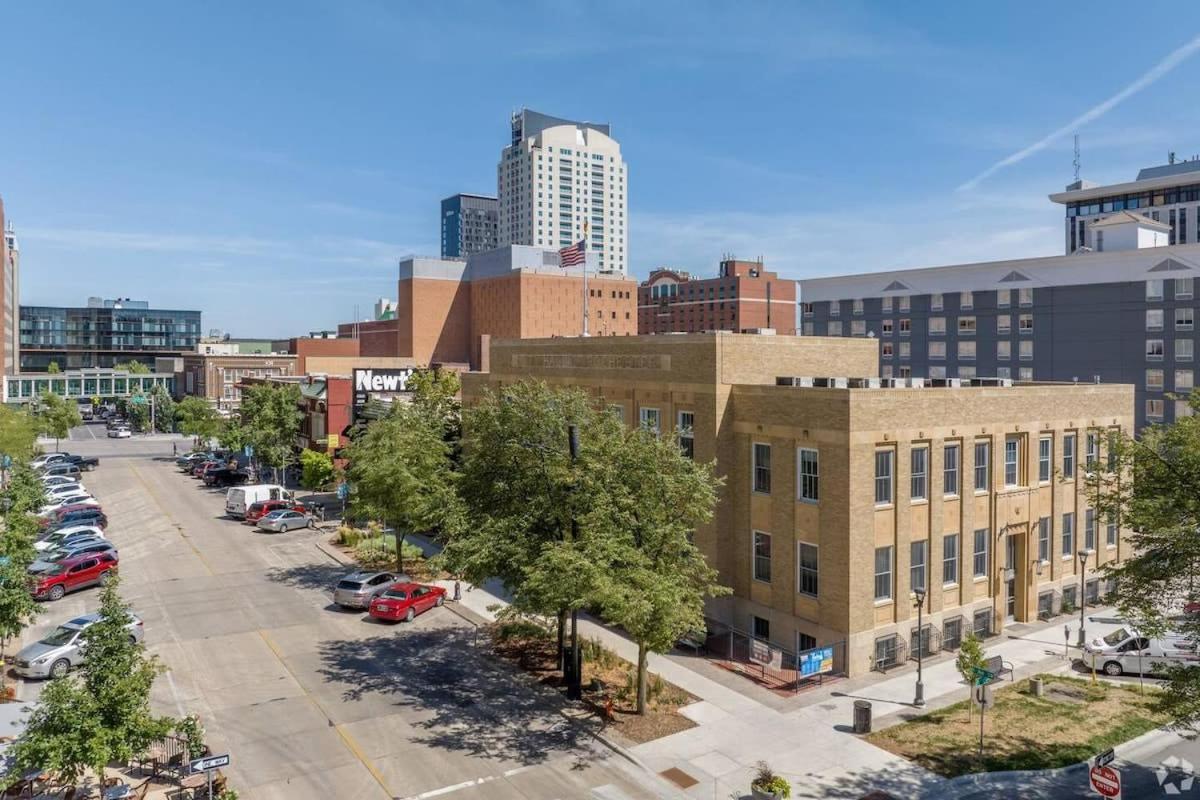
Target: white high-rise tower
x: 558, y: 176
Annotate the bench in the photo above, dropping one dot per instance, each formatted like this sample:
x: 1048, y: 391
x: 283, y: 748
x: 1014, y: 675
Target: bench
x: 998, y: 666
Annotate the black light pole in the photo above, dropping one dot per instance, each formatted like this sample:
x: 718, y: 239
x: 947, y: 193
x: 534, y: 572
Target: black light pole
x: 1083, y: 557
x: 575, y: 684
x: 919, y: 591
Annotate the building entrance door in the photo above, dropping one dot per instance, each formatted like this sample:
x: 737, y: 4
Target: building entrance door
x: 1010, y: 585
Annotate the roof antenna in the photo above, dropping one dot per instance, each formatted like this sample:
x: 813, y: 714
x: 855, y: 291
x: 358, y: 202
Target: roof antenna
x: 1076, y: 161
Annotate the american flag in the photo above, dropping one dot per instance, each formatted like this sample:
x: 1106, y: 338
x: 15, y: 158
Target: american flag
x: 572, y: 256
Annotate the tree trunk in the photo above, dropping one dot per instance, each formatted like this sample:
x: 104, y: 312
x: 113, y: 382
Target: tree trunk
x: 643, y: 657
x: 562, y: 636
x: 400, y: 550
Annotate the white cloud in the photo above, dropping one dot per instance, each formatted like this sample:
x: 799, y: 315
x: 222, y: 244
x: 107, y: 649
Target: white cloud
x: 1174, y: 59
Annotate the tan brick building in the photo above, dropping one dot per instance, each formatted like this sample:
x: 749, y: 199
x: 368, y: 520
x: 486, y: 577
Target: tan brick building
x: 743, y: 297
x: 838, y: 498
x: 217, y: 378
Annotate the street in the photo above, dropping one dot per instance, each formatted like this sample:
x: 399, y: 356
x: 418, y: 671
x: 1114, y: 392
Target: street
x: 311, y: 701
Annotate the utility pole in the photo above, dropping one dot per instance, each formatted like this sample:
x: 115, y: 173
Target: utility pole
x: 575, y: 684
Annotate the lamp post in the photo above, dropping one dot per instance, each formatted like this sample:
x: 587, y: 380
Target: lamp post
x: 919, y: 591
x: 1083, y: 557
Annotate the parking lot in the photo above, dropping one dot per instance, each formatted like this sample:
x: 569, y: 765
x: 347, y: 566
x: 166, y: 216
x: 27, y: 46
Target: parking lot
x: 310, y: 701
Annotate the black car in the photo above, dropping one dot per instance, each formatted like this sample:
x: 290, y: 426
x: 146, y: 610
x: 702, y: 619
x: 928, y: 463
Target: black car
x: 85, y: 463
x: 225, y: 477
x: 67, y: 469
x: 84, y: 516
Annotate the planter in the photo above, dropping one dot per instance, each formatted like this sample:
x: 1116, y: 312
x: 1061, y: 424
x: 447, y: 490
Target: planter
x: 759, y: 794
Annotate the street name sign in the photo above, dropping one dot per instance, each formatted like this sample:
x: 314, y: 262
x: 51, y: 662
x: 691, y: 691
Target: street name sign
x: 211, y: 762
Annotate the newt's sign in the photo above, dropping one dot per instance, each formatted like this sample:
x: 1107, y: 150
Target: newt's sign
x: 379, y: 382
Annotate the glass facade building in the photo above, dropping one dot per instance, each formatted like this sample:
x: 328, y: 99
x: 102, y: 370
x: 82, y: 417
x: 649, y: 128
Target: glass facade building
x: 102, y: 336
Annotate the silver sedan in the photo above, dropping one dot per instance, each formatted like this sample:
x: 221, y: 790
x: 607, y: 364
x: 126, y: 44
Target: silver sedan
x: 283, y: 520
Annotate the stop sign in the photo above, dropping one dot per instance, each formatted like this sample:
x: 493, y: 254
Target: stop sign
x: 1106, y: 781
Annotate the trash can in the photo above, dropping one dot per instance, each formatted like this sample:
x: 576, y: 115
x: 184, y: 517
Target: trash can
x: 862, y: 716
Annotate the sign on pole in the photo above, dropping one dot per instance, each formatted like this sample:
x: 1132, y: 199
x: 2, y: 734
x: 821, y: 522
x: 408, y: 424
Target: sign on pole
x: 332, y: 441
x: 1105, y: 758
x: 210, y: 762
x: 982, y: 676
x: 1105, y: 781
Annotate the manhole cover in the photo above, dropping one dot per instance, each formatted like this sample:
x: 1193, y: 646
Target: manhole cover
x: 679, y: 778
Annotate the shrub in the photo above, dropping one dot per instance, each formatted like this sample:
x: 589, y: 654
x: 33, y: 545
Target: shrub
x: 765, y: 780
x: 373, y: 551
x: 520, y: 629
x: 348, y: 536
x: 593, y: 652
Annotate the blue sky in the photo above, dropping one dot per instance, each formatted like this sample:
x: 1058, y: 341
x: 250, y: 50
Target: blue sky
x: 268, y: 163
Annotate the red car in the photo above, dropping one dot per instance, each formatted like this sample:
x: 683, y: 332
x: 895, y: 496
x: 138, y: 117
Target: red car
x: 74, y: 573
x: 403, y: 601
x: 201, y: 469
x: 257, y: 511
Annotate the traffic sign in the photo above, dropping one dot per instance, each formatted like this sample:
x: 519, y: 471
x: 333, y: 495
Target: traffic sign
x: 982, y: 676
x: 1105, y: 781
x: 210, y: 762
x: 1105, y: 758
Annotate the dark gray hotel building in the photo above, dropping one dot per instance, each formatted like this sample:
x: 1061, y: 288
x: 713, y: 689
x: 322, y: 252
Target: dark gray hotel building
x: 1120, y: 308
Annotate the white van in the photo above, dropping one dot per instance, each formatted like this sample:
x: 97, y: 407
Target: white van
x: 239, y: 498
x: 1125, y: 650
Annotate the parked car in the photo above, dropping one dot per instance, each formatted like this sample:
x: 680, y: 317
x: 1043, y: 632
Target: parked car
x: 59, y: 651
x: 1125, y: 650
x: 72, y: 574
x: 358, y: 589
x: 240, y: 498
x: 403, y: 601
x: 64, y: 489
x: 46, y: 459
x: 258, y: 510
x: 79, y: 515
x: 85, y: 463
x: 56, y: 503
x: 224, y: 476
x: 116, y: 422
x: 188, y: 461
x: 63, y: 468
x: 284, y: 520
x: 66, y: 530
x: 66, y: 537
x: 205, y: 466
x: 119, y: 433
x: 50, y: 481
x: 48, y: 559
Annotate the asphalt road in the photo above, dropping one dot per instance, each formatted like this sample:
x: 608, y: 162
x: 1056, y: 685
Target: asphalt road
x: 310, y: 701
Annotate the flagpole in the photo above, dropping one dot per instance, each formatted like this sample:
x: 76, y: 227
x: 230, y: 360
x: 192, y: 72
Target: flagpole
x: 585, y: 286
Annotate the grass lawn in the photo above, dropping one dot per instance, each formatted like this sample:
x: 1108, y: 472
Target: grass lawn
x: 1074, y: 721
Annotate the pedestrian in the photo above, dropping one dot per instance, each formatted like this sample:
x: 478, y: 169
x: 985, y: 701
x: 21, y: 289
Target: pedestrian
x: 174, y: 449
x: 457, y: 591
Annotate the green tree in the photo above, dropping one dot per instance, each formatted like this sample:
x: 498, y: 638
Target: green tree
x: 164, y: 409
x: 316, y: 469
x: 24, y: 494
x: 970, y: 658
x: 138, y: 412
x: 132, y: 367
x: 118, y: 676
x: 64, y: 734
x: 646, y: 500
x: 271, y: 416
x: 18, y: 433
x: 52, y: 368
x: 196, y: 417
x: 17, y: 606
x: 436, y: 393
x: 400, y: 473
x: 231, y: 434
x: 57, y: 416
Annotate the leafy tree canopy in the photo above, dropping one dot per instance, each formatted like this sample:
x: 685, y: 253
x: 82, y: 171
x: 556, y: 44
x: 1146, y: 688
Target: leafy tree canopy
x: 195, y: 416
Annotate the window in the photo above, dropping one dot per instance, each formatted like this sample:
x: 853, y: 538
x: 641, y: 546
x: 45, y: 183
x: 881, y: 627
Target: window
x: 937, y: 351
x: 966, y: 300
x: 920, y: 472
x: 886, y: 327
x: 1025, y: 323
x: 935, y: 302
x: 1183, y: 286
x: 651, y: 420
x: 1045, y: 458
x: 762, y: 556
x: 1003, y: 351
x: 1003, y: 298
x: 835, y: 306
x: 937, y: 372
x: 1154, y: 319
x: 883, y: 573
x: 950, y: 469
x: 887, y: 350
x: 1185, y: 319
x: 1025, y: 374
x: 1154, y: 380
x: 1110, y: 533
x: 966, y: 351
x: 858, y: 327
x: 1184, y: 348
x: 966, y: 326
x: 762, y: 629
x: 684, y: 429
x: 762, y: 468
x: 982, y: 454
x: 883, y: 477
x: 857, y: 306
x: 807, y: 570
x: 904, y: 303
x: 979, y: 563
x: 1154, y: 290
x: 887, y: 304
x: 1154, y: 409
x: 809, y: 471
x: 1025, y: 297
x: 1092, y: 454
x: 950, y: 558
x: 905, y: 349
x: 1012, y: 461
x: 1068, y: 534
x: 1154, y: 350
x: 937, y: 326
x: 952, y: 634
x: 1069, y: 455
x: 981, y: 623
x: 919, y: 552
x: 905, y: 327
x: 1089, y: 529
x: 1044, y: 539
x: 1026, y: 351
x: 832, y: 328
x: 1183, y: 380
x: 1004, y: 323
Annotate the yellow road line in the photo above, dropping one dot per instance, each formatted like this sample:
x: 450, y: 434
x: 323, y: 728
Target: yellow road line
x: 178, y: 526
x: 347, y: 739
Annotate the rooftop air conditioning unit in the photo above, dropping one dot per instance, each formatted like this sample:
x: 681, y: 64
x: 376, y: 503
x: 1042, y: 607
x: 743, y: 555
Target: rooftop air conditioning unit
x: 805, y: 381
x: 864, y: 383
x: 916, y: 383
x: 953, y: 383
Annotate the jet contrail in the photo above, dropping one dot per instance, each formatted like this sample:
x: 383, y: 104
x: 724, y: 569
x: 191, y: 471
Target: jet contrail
x: 1160, y: 69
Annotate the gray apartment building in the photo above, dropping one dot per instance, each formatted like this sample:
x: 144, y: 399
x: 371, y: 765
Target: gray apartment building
x: 1124, y: 314
x: 470, y: 224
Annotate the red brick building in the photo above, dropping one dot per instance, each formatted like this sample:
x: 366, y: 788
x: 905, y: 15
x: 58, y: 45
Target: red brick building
x: 742, y: 298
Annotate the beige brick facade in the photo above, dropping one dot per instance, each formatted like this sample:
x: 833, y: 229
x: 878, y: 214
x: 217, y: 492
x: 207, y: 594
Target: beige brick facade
x: 727, y: 383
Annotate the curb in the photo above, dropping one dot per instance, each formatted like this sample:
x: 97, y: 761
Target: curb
x: 332, y: 553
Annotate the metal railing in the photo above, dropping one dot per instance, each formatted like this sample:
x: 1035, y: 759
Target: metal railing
x: 768, y: 663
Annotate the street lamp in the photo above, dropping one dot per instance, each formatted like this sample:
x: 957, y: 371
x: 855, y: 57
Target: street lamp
x: 919, y: 591
x: 1083, y: 557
